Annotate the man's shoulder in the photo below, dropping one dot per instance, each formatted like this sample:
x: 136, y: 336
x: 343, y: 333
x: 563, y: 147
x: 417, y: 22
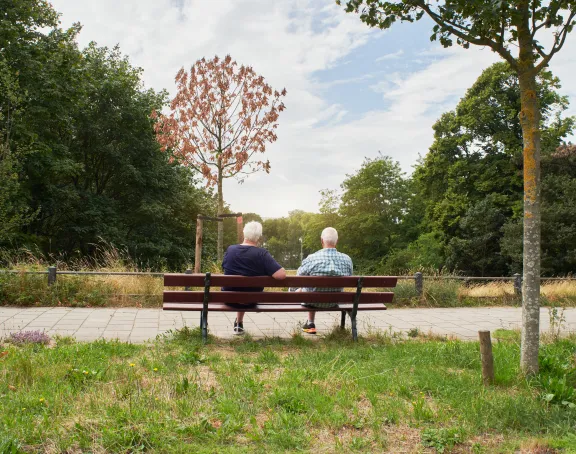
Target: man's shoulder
x: 344, y: 256
x: 316, y: 255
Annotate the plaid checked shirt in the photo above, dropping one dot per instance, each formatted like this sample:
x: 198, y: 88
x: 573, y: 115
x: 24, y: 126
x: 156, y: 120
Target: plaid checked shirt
x: 326, y: 262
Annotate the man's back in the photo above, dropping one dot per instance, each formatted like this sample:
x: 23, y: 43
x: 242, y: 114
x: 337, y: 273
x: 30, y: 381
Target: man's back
x: 243, y: 260
x: 326, y: 262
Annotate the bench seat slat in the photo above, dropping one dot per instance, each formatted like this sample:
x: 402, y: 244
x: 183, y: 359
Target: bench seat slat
x: 265, y: 307
x: 218, y: 280
x: 276, y: 297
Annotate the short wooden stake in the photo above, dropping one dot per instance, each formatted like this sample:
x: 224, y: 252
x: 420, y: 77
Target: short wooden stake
x: 487, y: 358
x: 198, y: 253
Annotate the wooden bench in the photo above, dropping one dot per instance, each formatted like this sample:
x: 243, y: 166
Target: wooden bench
x: 207, y: 300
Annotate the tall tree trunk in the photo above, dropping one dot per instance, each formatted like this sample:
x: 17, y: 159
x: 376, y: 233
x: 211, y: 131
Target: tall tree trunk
x: 530, y: 120
x: 220, y: 211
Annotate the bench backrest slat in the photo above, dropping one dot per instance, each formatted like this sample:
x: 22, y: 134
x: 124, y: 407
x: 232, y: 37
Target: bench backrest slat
x: 276, y: 297
x: 218, y: 280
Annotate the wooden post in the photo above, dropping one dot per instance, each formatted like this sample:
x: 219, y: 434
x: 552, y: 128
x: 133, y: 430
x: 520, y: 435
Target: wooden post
x: 487, y: 358
x: 51, y: 275
x: 198, y: 254
x: 240, y: 228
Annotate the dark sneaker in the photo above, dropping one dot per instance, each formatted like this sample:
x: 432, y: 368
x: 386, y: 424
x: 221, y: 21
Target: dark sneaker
x: 238, y: 328
x: 309, y: 328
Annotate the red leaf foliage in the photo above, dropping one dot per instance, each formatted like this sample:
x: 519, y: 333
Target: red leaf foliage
x: 221, y: 118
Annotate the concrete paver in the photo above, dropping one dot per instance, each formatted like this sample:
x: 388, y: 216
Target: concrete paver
x: 140, y: 325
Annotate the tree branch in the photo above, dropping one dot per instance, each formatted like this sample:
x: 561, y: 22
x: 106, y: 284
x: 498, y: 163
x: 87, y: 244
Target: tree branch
x: 558, y: 42
x: 450, y: 27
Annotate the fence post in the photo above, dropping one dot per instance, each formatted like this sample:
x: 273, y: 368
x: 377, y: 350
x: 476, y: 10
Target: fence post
x: 51, y: 275
x: 188, y: 271
x: 518, y: 284
x: 487, y: 358
x: 419, y: 283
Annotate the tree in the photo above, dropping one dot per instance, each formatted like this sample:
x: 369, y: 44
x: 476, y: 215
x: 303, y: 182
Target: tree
x: 373, y: 206
x: 20, y: 25
x: 477, y: 250
x: 222, y: 117
x: 477, y: 154
x: 501, y: 26
x: 558, y: 217
x: 79, y: 161
x: 14, y: 212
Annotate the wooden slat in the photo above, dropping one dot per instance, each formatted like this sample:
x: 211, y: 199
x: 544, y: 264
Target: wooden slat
x: 218, y: 280
x: 218, y: 307
x: 276, y: 297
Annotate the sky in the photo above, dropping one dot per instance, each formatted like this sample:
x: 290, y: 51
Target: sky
x: 353, y: 92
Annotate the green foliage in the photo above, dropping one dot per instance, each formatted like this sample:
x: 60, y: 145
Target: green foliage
x: 285, y: 238
x: 558, y: 218
x: 471, y: 180
x: 78, y: 154
x: 441, y: 439
x: 477, y: 251
x: 373, y: 203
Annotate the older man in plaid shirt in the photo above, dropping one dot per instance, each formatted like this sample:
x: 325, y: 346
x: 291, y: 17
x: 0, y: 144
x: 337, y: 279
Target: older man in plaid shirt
x: 326, y: 262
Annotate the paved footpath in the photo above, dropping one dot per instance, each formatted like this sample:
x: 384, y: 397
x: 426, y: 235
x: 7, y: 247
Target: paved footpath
x: 140, y: 325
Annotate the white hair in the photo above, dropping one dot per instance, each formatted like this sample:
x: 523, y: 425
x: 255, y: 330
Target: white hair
x: 253, y: 231
x: 329, y: 236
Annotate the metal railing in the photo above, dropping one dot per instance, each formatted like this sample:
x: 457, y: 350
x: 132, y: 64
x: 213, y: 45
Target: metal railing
x: 52, y: 273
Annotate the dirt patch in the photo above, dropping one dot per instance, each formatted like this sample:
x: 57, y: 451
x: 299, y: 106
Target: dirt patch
x: 403, y: 439
x: 206, y: 378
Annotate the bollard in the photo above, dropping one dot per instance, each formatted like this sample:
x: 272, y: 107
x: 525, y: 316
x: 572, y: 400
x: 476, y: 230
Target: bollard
x: 51, y: 275
x: 419, y: 283
x: 188, y: 271
x: 518, y: 284
x: 487, y: 358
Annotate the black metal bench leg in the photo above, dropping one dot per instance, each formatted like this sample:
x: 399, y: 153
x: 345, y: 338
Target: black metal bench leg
x: 343, y: 320
x: 204, y: 326
x: 354, y: 330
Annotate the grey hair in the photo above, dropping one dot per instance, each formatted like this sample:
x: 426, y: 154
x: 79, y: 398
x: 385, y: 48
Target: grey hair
x: 330, y: 236
x: 253, y: 231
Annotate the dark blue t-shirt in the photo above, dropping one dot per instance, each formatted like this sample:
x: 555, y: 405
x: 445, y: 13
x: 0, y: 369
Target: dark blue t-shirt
x: 242, y: 260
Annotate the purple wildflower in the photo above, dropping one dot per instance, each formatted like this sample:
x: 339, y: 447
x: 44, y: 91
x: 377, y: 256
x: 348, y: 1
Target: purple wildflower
x: 29, y: 337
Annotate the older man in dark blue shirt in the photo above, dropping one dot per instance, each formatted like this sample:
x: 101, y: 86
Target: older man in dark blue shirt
x: 247, y: 259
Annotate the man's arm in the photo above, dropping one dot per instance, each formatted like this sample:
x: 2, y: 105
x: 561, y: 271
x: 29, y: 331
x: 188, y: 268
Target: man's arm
x: 273, y: 268
x: 280, y: 274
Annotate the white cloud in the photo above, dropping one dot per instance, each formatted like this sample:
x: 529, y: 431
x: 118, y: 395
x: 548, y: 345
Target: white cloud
x: 287, y: 42
x: 391, y: 56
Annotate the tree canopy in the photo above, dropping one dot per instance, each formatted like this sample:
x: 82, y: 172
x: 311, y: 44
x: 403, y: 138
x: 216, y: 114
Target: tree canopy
x: 79, y: 159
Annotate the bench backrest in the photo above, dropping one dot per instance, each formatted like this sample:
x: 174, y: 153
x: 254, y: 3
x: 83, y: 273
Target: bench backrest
x: 208, y: 282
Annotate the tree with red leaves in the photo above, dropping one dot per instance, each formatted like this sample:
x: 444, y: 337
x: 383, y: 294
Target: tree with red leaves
x: 221, y: 119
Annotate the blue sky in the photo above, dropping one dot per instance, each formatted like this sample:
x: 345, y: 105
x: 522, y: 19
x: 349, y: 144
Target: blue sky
x: 352, y: 91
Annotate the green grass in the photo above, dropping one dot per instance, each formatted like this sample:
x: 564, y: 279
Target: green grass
x: 330, y: 395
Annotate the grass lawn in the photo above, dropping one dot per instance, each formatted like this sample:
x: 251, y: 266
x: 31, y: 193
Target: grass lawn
x: 328, y: 395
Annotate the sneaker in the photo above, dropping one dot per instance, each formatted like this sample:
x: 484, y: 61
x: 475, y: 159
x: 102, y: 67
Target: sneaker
x: 238, y: 328
x: 309, y: 328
